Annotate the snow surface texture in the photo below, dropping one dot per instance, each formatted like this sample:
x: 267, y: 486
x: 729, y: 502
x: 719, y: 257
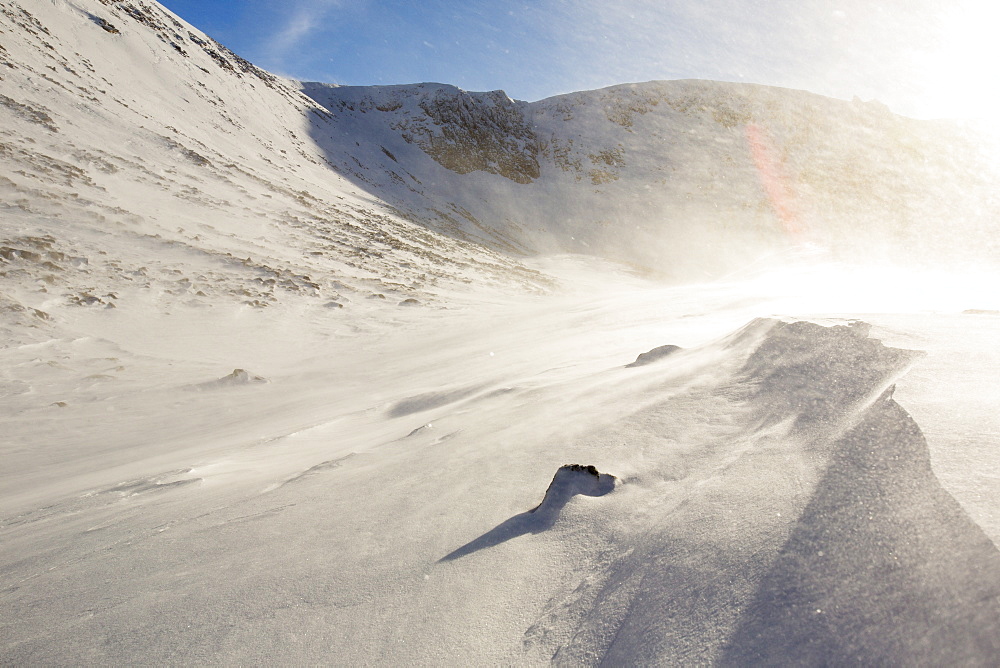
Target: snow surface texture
x: 271, y: 391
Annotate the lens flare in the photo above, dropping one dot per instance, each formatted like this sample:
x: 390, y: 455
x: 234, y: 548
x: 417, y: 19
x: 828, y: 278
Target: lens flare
x: 775, y: 182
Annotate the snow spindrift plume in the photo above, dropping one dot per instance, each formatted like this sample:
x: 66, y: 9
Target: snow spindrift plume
x: 295, y: 378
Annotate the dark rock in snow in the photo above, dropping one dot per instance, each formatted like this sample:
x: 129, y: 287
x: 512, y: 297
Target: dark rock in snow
x: 573, y: 479
x: 653, y: 355
x: 105, y: 24
x: 242, y: 377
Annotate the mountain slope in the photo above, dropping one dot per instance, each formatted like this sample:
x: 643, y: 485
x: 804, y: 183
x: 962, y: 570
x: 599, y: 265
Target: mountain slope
x: 186, y: 151
x: 683, y: 177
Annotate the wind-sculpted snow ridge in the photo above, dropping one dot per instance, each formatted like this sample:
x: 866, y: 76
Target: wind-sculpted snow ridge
x: 306, y: 519
x: 816, y: 373
x: 811, y: 531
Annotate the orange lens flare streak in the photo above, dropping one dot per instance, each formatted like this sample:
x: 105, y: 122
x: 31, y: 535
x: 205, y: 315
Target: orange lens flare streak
x: 774, y: 180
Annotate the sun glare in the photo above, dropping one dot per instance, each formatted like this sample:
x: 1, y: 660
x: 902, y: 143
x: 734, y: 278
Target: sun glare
x: 958, y: 70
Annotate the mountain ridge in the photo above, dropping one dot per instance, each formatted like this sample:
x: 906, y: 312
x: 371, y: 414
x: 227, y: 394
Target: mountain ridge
x: 666, y: 176
x: 677, y: 164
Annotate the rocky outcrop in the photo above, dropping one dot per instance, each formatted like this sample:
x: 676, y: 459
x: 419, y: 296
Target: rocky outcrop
x: 463, y: 132
x: 477, y: 132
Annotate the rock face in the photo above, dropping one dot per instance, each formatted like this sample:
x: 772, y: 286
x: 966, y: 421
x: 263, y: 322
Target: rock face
x: 478, y: 132
x: 463, y: 132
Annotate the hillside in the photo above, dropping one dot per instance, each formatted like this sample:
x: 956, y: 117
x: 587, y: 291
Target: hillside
x: 187, y: 152
x: 685, y: 178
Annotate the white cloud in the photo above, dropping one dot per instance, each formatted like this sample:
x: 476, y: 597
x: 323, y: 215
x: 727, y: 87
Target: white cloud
x: 304, y: 18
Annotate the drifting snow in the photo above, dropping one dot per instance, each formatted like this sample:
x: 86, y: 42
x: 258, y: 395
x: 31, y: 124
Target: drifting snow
x: 762, y: 476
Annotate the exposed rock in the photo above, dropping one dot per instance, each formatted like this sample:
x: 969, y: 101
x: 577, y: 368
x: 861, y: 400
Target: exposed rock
x: 242, y: 376
x: 462, y: 131
x: 105, y: 24
x: 653, y: 355
x: 238, y: 377
x: 569, y: 481
x: 573, y: 479
x: 479, y: 132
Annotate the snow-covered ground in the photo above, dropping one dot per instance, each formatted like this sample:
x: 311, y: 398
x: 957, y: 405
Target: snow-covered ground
x: 258, y: 406
x: 369, y: 502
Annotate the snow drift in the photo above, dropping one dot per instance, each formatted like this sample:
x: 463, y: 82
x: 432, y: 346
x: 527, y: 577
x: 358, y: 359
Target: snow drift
x: 743, y: 525
x: 815, y: 532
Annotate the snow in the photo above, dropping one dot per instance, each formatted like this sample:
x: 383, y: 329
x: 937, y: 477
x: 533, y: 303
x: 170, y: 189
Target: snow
x: 476, y: 457
x: 663, y: 175
x: 371, y: 500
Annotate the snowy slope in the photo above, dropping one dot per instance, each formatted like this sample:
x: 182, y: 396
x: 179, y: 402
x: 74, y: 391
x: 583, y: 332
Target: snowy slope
x: 254, y: 409
x: 385, y: 517
x: 187, y: 151
x: 686, y: 178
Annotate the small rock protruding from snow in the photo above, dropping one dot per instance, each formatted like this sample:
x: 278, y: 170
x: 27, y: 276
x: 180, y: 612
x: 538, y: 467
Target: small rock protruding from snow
x: 238, y: 378
x: 653, y: 355
x: 573, y: 479
x: 242, y: 377
x: 105, y: 24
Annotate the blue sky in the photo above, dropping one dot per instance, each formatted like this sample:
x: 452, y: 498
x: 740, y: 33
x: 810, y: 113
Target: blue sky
x: 921, y: 57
